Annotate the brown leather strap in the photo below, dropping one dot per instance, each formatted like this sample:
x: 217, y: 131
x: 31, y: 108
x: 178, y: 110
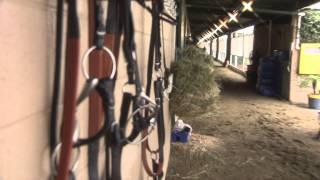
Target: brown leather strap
x: 69, y: 108
x: 149, y: 148
x: 99, y: 66
x: 70, y: 91
x: 144, y: 158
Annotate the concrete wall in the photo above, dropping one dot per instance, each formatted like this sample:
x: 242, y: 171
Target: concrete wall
x: 27, y: 63
x: 297, y: 94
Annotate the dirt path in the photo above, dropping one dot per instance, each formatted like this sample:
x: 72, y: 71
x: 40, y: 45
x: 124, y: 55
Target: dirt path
x: 249, y: 137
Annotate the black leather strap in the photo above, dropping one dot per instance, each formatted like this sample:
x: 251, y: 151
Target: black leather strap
x: 155, y: 57
x: 57, y: 77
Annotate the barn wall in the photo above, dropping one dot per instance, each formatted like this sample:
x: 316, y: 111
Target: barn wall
x: 281, y: 35
x: 281, y: 39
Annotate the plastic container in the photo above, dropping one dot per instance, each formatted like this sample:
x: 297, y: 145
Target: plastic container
x: 270, y: 75
x: 180, y: 136
x: 266, y: 91
x: 314, y: 101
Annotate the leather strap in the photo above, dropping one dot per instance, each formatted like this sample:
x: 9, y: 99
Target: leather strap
x: 71, y: 82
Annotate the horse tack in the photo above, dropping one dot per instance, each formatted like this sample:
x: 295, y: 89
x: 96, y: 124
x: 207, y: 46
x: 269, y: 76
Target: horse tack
x: 155, y: 57
x: 71, y: 75
x: 146, y: 112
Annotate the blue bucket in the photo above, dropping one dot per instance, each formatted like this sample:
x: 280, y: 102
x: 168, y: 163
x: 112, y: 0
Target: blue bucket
x: 314, y: 103
x: 180, y: 136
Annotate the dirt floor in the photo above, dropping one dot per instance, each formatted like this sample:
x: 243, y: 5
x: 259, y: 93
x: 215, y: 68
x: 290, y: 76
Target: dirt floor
x: 249, y: 137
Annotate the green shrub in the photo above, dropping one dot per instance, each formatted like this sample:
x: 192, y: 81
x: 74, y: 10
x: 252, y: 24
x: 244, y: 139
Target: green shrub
x: 311, y: 81
x: 195, y: 86
x: 310, y: 27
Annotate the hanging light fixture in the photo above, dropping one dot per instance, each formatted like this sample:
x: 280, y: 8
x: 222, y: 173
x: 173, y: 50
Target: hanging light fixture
x: 224, y: 23
x: 233, y: 17
x: 215, y: 32
x: 218, y: 28
x: 247, y: 6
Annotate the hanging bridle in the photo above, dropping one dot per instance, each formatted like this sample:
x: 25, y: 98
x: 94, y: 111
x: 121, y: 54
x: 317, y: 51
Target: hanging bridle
x: 154, y: 62
x: 146, y: 113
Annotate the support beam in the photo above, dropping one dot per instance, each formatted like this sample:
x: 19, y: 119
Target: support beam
x: 228, y: 54
x: 211, y: 42
x: 269, y: 37
x: 217, y: 49
x: 258, y: 10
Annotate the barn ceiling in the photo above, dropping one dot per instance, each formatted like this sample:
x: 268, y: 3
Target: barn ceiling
x: 203, y: 14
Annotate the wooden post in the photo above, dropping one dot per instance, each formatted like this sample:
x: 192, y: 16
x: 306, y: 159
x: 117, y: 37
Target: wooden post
x: 294, y: 61
x: 270, y: 38
x: 211, y: 42
x: 217, y: 48
x: 228, y: 54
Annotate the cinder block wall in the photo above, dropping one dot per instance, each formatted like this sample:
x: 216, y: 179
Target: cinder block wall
x: 27, y: 46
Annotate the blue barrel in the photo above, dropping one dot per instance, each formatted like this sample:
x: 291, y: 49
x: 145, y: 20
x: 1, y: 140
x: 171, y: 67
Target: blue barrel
x: 269, y: 76
x: 267, y: 91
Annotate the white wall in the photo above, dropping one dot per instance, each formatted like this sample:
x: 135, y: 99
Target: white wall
x: 241, y: 47
x: 222, y: 48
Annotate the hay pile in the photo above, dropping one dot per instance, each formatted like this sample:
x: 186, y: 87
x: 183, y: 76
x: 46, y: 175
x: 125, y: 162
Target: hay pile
x: 195, y: 87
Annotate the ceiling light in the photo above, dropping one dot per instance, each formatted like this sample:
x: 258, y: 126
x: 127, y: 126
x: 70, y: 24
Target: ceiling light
x: 247, y: 6
x: 224, y: 23
x: 218, y: 28
x: 233, y: 17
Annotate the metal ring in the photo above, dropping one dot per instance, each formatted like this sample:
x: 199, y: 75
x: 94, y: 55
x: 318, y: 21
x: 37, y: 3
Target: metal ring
x: 147, y: 98
x: 54, y: 156
x: 151, y: 108
x: 138, y: 142
x: 153, y: 123
x: 86, y: 55
x: 159, y: 73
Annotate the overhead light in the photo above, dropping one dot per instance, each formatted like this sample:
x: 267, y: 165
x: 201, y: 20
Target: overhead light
x: 212, y: 33
x: 224, y: 23
x: 218, y: 28
x: 216, y: 33
x: 233, y: 17
x: 247, y: 6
